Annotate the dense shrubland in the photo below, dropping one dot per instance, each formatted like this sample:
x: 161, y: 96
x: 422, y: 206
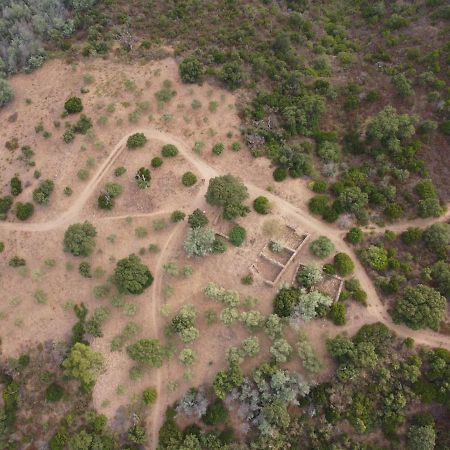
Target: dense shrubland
x: 412, y: 271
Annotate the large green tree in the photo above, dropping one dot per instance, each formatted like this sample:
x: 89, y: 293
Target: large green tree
x: 420, y: 307
x: 131, y: 276
x: 79, y: 239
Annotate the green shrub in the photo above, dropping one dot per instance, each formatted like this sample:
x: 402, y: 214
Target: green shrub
x: 237, y: 235
x: 216, y: 413
x: 321, y: 247
x: 24, y: 210
x: 261, y: 205
x: 280, y: 174
x: 149, y: 396
x: 319, y: 186
x: 177, y: 216
x: 188, y: 179
x: 191, y: 70
x: 156, y: 162
x: 73, y: 105
x: 119, y: 171
x: 5, y: 204
x: 6, y: 93
x: 131, y: 276
x: 113, y: 189
x: 68, y: 136
x: 354, y: 236
x: 2, y: 247
x: 318, y: 204
x: 337, y: 313
x: 343, y: 264
x: 411, y: 235
x: 16, y: 186
x: 197, y: 219
x: 79, y: 239
x: 169, y: 151
x: 105, y: 201
x: 143, y: 178
x: 136, y: 140
x: 85, y: 270
x: 54, y: 393
x: 42, y: 193
x: 218, y: 149
x: 236, y: 146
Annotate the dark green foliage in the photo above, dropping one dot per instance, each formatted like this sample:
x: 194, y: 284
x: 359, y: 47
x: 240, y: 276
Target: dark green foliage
x: 197, y: 219
x: 231, y: 74
x: 219, y: 245
x: 218, y: 149
x: 147, y: 351
x: 420, y: 307
x: 79, y: 239
x: 177, y: 216
x: 83, y: 124
x: 319, y: 186
x: 188, y: 179
x: 24, y: 210
x: 237, y: 235
x: 229, y: 192
x: 318, y: 204
x: 191, y: 70
x: 169, y: 151
x: 225, y: 381
x: 411, y: 236
x: 354, y: 235
x: 261, y: 205
x: 73, y: 105
x: 216, y: 413
x: 15, y: 261
x: 119, y: 171
x: 5, y: 204
x: 285, y: 300
x: 149, y: 395
x: 105, y: 201
x: 54, y: 392
x: 437, y: 238
x: 156, y: 162
x: 280, y: 174
x: 136, y: 140
x: 85, y: 269
x: 42, y: 193
x: 321, y: 247
x: 344, y: 264
x: 440, y: 274
x: 131, y: 276
x: 16, y: 186
x: 337, y: 313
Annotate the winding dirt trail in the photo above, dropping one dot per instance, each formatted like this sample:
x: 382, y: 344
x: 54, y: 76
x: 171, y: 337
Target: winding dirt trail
x: 376, y: 311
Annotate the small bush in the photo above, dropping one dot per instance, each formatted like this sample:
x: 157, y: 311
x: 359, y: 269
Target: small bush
x: 105, y: 201
x: 343, y: 264
x: 85, y: 270
x: 42, y: 193
x: 143, y: 178
x: 177, y: 216
x: 149, y: 396
x: 6, y: 93
x: 169, y: 151
x: 16, y: 186
x: 337, y: 313
x: 156, y: 162
x: 216, y: 413
x: 136, y: 140
x: 280, y: 174
x: 354, y: 236
x: 321, y: 247
x: 218, y: 149
x: 319, y: 186
x: 191, y: 70
x: 188, y: 179
x: 54, y: 393
x: 261, y: 205
x: 24, y: 210
x: 237, y: 235
x: 119, y: 171
x: 73, y: 105
x: 197, y: 219
x: 236, y: 146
